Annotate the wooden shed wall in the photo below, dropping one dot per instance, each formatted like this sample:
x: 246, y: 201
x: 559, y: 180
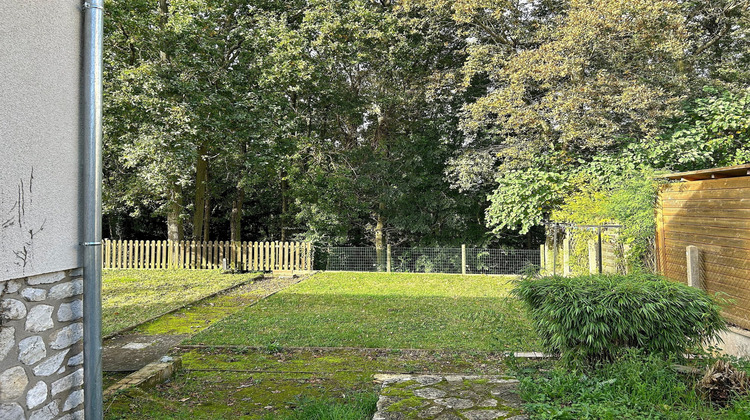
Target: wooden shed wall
x: 713, y: 215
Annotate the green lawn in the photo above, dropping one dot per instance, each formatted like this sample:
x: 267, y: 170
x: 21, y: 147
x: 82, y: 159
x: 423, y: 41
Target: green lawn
x: 130, y: 297
x: 376, y: 310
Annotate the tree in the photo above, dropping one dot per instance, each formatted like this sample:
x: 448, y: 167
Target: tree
x: 374, y: 139
x: 569, y: 80
x: 181, y: 91
x: 714, y: 131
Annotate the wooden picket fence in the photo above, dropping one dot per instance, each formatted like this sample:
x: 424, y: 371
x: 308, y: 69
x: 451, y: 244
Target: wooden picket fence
x: 248, y: 256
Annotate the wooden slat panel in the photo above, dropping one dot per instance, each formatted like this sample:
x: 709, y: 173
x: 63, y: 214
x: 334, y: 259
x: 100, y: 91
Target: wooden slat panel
x: 275, y: 255
x: 138, y: 254
x: 743, y: 203
x: 105, y: 248
x: 719, y: 274
x: 709, y: 221
x: 713, y: 249
x: 714, y: 232
x: 157, y: 254
x: 256, y: 257
x: 209, y: 256
x: 725, y: 213
x: 698, y: 239
x: 135, y: 255
x: 676, y: 253
x: 220, y: 254
x: 726, y: 194
x: 309, y: 264
x: 297, y: 265
x: 204, y: 255
x: 709, y: 184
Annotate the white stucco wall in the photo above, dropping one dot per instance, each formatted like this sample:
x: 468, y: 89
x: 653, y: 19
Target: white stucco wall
x: 40, y: 44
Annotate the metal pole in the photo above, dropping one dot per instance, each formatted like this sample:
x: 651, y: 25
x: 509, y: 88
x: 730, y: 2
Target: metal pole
x: 93, y: 30
x: 554, y: 252
x: 600, y: 251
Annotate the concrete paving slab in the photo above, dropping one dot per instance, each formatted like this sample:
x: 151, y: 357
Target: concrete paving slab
x: 131, y: 352
x: 474, y: 397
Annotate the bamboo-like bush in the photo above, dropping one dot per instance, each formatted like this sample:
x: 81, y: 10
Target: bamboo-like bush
x: 589, y: 319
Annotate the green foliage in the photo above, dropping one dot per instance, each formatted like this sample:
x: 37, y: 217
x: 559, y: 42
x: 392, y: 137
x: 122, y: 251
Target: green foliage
x: 563, y: 83
x: 636, y: 386
x: 593, y: 318
x: 524, y: 198
x: 624, y: 196
x: 323, y: 119
x: 714, y: 131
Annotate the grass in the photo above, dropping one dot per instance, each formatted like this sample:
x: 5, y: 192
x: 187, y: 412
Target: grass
x: 374, y: 310
x: 130, y: 297
x: 453, y: 317
x: 636, y: 386
x: 356, y: 407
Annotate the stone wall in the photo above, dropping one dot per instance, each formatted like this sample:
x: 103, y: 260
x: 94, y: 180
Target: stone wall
x: 41, y: 350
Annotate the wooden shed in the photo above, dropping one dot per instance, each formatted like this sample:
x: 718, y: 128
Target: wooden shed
x: 709, y: 209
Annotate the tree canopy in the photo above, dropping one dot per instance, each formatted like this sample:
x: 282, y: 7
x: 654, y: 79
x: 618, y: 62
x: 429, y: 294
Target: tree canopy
x: 415, y: 122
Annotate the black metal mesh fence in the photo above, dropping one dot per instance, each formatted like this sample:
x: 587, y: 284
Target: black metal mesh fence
x: 500, y: 261
x: 426, y: 260
x: 431, y: 260
x: 352, y: 259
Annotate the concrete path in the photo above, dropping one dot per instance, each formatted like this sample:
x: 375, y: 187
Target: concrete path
x: 131, y: 352
x: 448, y: 397
x: 135, y: 349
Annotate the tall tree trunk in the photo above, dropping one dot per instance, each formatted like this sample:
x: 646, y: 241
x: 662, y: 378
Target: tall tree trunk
x: 163, y: 20
x: 206, y: 217
x: 174, y: 221
x: 201, y: 182
x: 380, y: 246
x: 284, y: 205
x: 235, y: 220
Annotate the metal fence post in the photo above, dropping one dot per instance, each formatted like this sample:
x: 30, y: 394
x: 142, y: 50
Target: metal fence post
x: 388, y: 258
x: 566, y: 256
x: 595, y: 257
x: 463, y: 259
x: 543, y: 257
x: 601, y: 263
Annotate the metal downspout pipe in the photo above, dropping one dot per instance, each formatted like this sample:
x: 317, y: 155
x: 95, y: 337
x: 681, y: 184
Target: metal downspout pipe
x: 93, y: 30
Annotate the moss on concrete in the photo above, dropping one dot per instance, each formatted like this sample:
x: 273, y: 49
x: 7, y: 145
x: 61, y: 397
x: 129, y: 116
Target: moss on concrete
x: 242, y: 383
x: 408, y: 404
x: 201, y: 315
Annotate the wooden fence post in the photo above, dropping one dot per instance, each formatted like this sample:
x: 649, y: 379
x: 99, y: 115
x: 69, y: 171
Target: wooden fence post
x: 463, y: 259
x: 388, y: 258
x: 693, y: 257
x: 550, y: 258
x: 274, y: 252
x: 543, y: 256
x: 309, y: 259
x: 566, y: 256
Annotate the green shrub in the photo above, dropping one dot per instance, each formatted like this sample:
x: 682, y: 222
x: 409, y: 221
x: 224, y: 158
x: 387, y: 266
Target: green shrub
x: 592, y: 318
